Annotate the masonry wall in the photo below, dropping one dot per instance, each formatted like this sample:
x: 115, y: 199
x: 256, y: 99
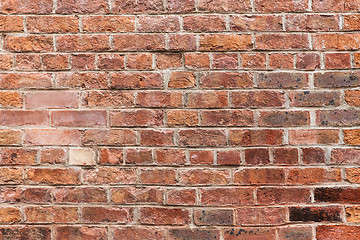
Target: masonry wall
x: 179, y: 119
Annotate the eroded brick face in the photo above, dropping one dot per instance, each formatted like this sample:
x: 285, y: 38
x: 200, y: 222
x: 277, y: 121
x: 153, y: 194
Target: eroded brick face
x: 179, y: 119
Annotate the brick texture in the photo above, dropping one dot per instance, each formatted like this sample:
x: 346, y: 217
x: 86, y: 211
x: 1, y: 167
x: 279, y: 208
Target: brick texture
x: 179, y: 119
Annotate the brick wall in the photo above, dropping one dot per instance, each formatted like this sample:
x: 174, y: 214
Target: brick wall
x: 179, y: 119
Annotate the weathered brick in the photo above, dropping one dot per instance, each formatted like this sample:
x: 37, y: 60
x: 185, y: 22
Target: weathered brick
x: 256, y: 23
x: 106, y: 214
x: 159, y: 24
x: 337, y: 232
x: 87, y: 6
x: 226, y: 80
x: 144, y: 118
x: 82, y: 43
x: 256, y: 137
x: 277, y: 195
x: 202, y: 137
x: 315, y: 214
x: 138, y: 233
x: 260, y: 176
x: 281, y: 6
x: 314, y: 99
x: 301, y: 22
x: 143, y: 6
x: 206, y: 217
x: 337, y: 79
x: 281, y: 41
x: 284, y: 118
x: 58, y: 176
x: 257, y: 99
x: 29, y: 43
x: 109, y: 137
x: 341, y: 117
x: 137, y: 42
x: 74, y: 232
x: 108, y: 24
x: 80, y: 195
x: 53, y: 24
x: 198, y: 177
x: 208, y: 99
x: 204, y: 23
x: 51, y: 214
x: 110, y: 175
x: 131, y: 195
x: 226, y: 196
x: 225, y: 42
x: 263, y: 216
x: 224, y: 6
x: 307, y: 176
x: 161, y: 216
x: 20, y: 7
x: 139, y: 156
x: 313, y: 136
x: 225, y: 61
x: 282, y: 80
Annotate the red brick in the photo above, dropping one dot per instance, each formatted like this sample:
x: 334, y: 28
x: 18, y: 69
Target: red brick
x: 255, y: 137
x: 260, y: 216
x: 260, y: 176
x: 337, y: 60
x: 337, y: 232
x: 226, y: 80
x: 139, y: 80
x: 315, y: 214
x: 55, y: 62
x: 336, y: 6
x: 184, y: 6
x: 256, y: 23
x: 197, y: 60
x: 11, y: 24
x: 210, y: 217
x: 204, y: 23
x: 253, y: 60
x: 351, y: 136
x: 9, y: 215
x: 313, y: 155
x: 225, y: 42
x: 135, y: 118
x: 352, y: 97
x: 131, y: 195
x: 6, y: 61
x: 28, y: 62
x: 34, y: 6
x: 159, y: 99
x: 277, y: 195
x: 227, y: 118
x: 81, y: 80
x: 281, y: 61
x: 157, y: 137
x: 314, y: 99
x: 17, y: 156
x: 313, y: 136
x: 281, y: 6
x: 28, y: 43
x: 78, y: 118
x: 337, y: 79
x: 53, y: 24
x: 202, y: 137
x: 142, y: 61
x: 25, y: 195
x: 182, y: 80
x: 228, y: 158
x: 301, y: 22
x: 23, y: 118
x: 257, y: 156
x: 244, y: 99
x: 249, y: 233
x: 225, y: 61
x: 109, y: 175
x: 182, y: 42
x: 301, y: 233
x: 170, y: 156
x: 346, y: 117
x: 77, y: 233
x: 168, y: 61
x: 345, y: 156
x: 335, y: 41
x: 181, y: 196
x: 52, y: 99
x: 10, y: 137
x: 110, y: 156
x: 106, y: 214
x: 225, y: 6
x: 201, y: 157
x: 108, y: 99
x: 11, y: 175
x: 286, y: 156
x: 80, y: 195
x: 85, y: 61
x: 227, y: 196
x: 53, y: 176
x: 158, y: 176
x: 138, y: 233
x: 108, y: 24
x: 164, y: 216
x: 351, y: 22
x: 109, y: 137
x: 277, y: 41
x: 284, y: 118
x: 307, y: 176
x: 337, y: 195
x: 143, y: 6
x: 87, y: 6
x: 159, y: 24
x: 208, y: 99
x: 282, y: 80
x: 51, y: 214
x: 196, y: 177
x: 111, y: 61
x: 182, y: 118
x: 139, y: 156
x: 82, y: 43
x: 137, y: 42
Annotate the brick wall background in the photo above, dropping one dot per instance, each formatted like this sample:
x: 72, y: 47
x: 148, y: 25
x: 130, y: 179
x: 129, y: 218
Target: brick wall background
x: 179, y: 119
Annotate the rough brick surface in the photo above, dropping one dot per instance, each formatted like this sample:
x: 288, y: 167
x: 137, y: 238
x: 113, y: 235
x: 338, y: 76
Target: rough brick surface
x: 179, y: 119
